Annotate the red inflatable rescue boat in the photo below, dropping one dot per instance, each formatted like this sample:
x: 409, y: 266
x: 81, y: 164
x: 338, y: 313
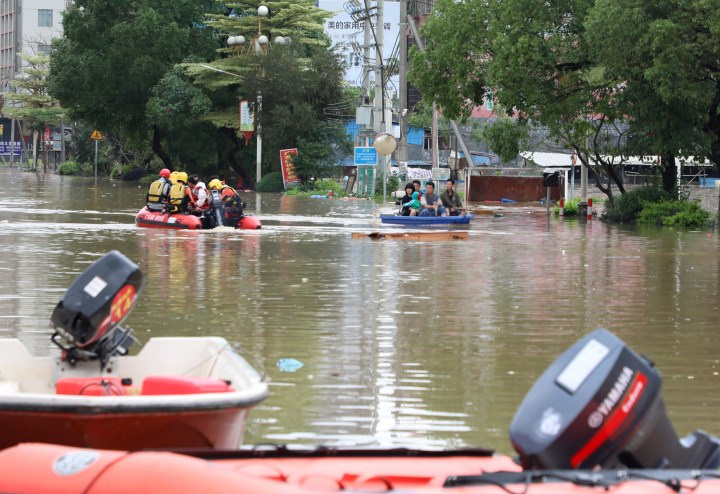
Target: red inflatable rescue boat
x: 42, y: 468
x: 152, y: 219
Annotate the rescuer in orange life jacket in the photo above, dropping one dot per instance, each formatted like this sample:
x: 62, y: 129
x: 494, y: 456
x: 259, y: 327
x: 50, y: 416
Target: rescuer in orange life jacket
x: 158, y: 193
x: 231, y: 201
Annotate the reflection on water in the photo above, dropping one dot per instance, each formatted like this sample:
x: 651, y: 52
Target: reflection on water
x: 403, y: 343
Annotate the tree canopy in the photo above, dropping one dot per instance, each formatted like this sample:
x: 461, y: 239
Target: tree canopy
x: 114, y: 52
x: 298, y: 82
x: 607, y: 78
x: 29, y: 99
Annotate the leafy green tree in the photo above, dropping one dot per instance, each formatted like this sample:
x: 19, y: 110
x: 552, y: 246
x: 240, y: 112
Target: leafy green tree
x: 298, y: 82
x: 29, y: 100
x: 112, y: 55
x: 538, y: 63
x: 666, y: 63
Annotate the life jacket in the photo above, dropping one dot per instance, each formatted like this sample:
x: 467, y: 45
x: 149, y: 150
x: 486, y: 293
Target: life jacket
x: 176, y: 198
x: 195, y: 191
x: 233, y: 206
x: 157, y: 195
x: 229, y: 195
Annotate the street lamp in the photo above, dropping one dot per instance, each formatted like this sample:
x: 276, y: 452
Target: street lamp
x: 260, y: 42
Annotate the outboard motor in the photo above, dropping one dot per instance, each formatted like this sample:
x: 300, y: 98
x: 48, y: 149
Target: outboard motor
x: 599, y: 404
x: 87, y: 317
x: 217, y: 210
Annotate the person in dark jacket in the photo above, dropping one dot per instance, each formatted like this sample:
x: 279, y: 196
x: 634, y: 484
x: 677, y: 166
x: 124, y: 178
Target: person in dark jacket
x: 450, y: 199
x: 409, y: 189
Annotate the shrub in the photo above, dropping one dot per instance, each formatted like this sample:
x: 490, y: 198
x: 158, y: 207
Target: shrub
x: 76, y: 169
x: 134, y: 174
x: 629, y: 205
x: 685, y: 214
x: 393, y: 184
x: 130, y: 172
x: 571, y: 207
x: 272, y: 182
x: 319, y: 187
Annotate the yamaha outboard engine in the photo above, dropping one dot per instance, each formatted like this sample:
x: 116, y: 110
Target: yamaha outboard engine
x: 87, y: 317
x: 599, y: 404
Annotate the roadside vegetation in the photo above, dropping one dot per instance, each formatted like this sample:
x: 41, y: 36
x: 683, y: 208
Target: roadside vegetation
x: 320, y: 187
x: 651, y: 205
x: 162, y: 85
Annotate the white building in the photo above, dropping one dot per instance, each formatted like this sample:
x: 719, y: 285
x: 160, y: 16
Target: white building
x: 27, y: 26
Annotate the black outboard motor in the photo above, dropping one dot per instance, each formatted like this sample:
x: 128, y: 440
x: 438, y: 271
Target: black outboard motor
x: 599, y: 404
x: 216, y: 212
x: 87, y: 317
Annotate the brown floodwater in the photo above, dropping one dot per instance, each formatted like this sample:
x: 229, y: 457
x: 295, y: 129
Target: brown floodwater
x: 404, y: 343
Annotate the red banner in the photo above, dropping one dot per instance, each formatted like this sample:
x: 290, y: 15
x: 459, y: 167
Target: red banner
x: 288, y: 166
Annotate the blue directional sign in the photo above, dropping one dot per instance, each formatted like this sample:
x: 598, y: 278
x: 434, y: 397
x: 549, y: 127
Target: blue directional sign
x: 365, y: 156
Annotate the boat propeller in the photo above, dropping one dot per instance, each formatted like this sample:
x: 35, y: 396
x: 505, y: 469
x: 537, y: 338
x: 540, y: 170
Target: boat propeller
x: 87, y: 318
x: 599, y: 404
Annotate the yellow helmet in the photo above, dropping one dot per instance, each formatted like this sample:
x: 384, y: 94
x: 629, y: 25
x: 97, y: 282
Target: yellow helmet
x: 215, y: 184
x: 182, y: 176
x: 173, y: 177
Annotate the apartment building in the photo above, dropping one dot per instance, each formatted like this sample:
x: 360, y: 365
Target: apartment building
x: 27, y: 26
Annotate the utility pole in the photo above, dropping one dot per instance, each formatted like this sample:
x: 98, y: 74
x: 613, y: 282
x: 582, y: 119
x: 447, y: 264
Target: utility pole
x: 434, y: 137
x: 367, y: 43
x: 12, y: 140
x: 403, y: 68
x: 378, y: 114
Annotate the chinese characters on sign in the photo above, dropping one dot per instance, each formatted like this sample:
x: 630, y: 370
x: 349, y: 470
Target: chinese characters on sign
x: 347, y: 36
x: 353, y: 25
x: 247, y: 117
x: 288, y: 166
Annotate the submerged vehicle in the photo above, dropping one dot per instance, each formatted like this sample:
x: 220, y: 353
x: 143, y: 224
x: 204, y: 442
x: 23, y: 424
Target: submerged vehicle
x: 176, y: 392
x: 594, y: 421
x: 393, y: 219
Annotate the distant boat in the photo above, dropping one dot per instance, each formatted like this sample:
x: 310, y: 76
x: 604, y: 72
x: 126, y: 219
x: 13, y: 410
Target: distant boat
x: 392, y: 219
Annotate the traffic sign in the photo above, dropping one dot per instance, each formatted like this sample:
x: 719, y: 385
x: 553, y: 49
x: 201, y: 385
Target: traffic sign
x: 96, y: 135
x: 365, y: 156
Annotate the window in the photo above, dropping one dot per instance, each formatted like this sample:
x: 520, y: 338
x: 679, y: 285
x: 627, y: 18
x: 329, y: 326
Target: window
x: 44, y: 50
x: 45, y: 17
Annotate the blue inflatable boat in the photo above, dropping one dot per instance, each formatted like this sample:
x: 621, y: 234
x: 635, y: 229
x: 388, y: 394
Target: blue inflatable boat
x: 392, y: 219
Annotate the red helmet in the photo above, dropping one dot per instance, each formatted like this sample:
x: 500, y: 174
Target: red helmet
x: 165, y: 173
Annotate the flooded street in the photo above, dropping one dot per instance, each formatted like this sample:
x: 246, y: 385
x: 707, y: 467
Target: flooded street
x: 402, y: 343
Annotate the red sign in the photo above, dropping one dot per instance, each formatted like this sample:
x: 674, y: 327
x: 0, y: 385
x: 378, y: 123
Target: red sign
x: 47, y: 133
x: 288, y: 166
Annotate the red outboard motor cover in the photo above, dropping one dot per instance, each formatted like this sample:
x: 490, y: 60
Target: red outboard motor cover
x: 99, y: 300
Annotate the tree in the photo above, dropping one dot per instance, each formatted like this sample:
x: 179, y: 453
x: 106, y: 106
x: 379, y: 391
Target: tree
x: 114, y: 52
x: 537, y: 60
x: 666, y: 62
x: 298, y: 82
x: 29, y: 100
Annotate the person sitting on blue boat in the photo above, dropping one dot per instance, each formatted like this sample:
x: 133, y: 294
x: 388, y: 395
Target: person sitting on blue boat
x: 431, y: 204
x: 157, y: 196
x: 418, y: 187
x: 409, y: 189
x: 413, y: 205
x: 450, y: 199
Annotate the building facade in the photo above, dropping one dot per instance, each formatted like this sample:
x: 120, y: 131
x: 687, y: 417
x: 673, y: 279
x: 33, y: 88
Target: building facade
x: 27, y: 26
